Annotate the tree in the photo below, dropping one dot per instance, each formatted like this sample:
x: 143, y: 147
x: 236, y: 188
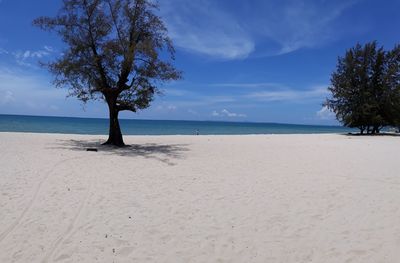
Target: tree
x: 117, y: 51
x: 365, y: 88
x: 392, y: 79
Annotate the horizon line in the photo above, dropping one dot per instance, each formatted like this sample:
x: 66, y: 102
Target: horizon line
x: 224, y: 121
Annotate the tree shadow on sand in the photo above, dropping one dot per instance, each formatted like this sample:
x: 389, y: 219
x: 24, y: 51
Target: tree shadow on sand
x: 161, y: 152
x: 382, y: 134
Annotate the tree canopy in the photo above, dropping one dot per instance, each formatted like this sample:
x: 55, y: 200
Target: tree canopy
x: 366, y: 88
x: 116, y: 50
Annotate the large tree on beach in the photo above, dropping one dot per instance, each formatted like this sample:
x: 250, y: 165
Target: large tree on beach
x: 116, y: 50
x: 366, y: 88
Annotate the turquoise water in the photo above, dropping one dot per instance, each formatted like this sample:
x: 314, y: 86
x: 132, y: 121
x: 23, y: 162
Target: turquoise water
x: 39, y: 124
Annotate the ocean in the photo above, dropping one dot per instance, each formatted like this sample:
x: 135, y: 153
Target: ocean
x: 68, y: 125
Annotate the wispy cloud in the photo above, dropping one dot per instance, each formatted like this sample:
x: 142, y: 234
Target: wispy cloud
x: 289, y: 94
x: 245, y: 94
x: 199, y: 100
x: 249, y: 85
x: 193, y: 112
x: 325, y: 114
x: 202, y: 27
x: 20, y: 90
x: 175, y: 92
x: 6, y: 97
x: 166, y: 107
x: 3, y: 51
x: 236, y: 29
x: 26, y: 57
x: 226, y: 113
x: 298, y: 24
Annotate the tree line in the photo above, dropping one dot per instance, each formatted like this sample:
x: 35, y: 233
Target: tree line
x: 365, y: 88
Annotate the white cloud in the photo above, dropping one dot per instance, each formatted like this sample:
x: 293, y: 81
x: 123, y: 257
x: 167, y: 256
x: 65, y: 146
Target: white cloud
x: 215, y: 114
x: 20, y: 90
x: 49, y: 49
x: 246, y: 95
x: 168, y: 107
x: 289, y: 94
x: 200, y: 26
x: 298, y: 24
x: 325, y: 114
x: 226, y: 113
x: 232, y: 114
x: 175, y: 92
x: 249, y: 85
x: 193, y: 112
x: 31, y: 54
x: 172, y: 108
x: 23, y: 57
x: 239, y: 28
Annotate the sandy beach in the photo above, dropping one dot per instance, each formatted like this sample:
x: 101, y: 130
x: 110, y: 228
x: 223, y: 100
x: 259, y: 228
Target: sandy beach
x: 255, y: 198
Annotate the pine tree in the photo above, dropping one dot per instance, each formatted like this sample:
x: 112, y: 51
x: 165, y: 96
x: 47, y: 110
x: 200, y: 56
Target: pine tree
x: 365, y: 88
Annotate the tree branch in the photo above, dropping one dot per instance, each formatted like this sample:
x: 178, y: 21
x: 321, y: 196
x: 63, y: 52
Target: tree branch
x: 116, y: 26
x: 130, y: 54
x: 94, y: 48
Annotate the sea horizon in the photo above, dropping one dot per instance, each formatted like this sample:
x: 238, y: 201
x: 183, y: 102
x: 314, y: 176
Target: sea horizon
x: 99, y: 126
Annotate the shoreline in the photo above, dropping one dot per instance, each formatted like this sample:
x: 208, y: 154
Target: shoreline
x: 171, y: 135
x: 382, y: 134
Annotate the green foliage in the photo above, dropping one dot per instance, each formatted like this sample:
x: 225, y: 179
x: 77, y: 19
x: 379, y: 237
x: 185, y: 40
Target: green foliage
x: 113, y: 51
x: 393, y: 86
x: 366, y: 88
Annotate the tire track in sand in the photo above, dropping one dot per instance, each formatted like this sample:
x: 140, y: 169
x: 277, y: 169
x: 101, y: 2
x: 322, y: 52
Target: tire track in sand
x: 68, y: 233
x: 17, y: 221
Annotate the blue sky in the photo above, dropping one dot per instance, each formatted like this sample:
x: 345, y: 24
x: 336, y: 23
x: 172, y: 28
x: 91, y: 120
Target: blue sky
x: 256, y: 60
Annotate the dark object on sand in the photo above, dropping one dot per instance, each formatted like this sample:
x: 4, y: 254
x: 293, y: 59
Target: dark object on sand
x: 91, y: 150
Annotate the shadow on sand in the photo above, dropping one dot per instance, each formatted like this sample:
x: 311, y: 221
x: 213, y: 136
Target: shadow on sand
x: 161, y: 152
x: 388, y: 134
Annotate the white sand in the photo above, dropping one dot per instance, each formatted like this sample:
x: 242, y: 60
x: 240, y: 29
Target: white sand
x: 277, y: 198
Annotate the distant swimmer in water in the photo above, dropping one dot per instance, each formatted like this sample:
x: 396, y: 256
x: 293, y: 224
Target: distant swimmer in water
x: 197, y: 132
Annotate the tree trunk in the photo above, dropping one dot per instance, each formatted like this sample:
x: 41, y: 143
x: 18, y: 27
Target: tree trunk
x: 114, y: 134
x: 376, y: 129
